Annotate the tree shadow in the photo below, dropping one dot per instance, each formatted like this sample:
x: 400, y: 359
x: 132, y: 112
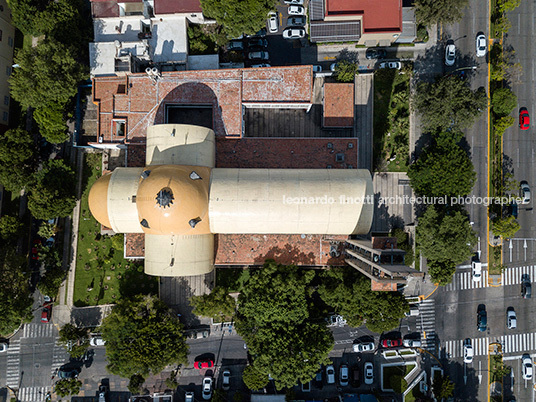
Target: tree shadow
x: 287, y: 255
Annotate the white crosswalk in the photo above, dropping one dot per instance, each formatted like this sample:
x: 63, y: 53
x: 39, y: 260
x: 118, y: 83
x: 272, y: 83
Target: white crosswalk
x: 426, y: 324
x: 13, y: 364
x: 38, y: 330
x: 33, y: 394
x: 512, y: 276
x: 463, y: 280
x: 514, y: 343
x: 59, y: 357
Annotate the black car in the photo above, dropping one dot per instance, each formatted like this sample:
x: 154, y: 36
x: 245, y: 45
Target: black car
x: 258, y: 42
x: 355, y: 377
x: 482, y: 320
x: 65, y: 372
x: 375, y: 53
x: 318, y: 380
x: 526, y: 287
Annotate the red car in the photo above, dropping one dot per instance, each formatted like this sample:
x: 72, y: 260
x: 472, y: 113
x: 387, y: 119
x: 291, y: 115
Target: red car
x: 47, y: 310
x: 391, y: 343
x: 204, y: 364
x: 524, y: 119
x: 35, y: 249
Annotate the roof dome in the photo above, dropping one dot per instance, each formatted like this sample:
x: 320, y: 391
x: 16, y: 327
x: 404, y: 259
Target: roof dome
x: 173, y: 199
x: 98, y: 200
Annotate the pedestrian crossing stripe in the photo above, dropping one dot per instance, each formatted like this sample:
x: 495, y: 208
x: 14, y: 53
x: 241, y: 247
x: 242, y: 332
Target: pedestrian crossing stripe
x: 426, y: 324
x: 42, y: 330
x: 454, y: 349
x: 33, y: 394
x: 13, y: 364
x: 513, y: 275
x: 513, y: 343
x: 463, y: 280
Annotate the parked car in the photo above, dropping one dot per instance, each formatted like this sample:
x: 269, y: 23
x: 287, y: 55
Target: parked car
x: 356, y: 377
x: 226, y: 379
x: 50, y: 242
x: 258, y: 55
x: 333, y: 66
x: 482, y: 320
x: 258, y: 42
x: 450, y: 54
x: 369, y: 373
x: 412, y: 343
x: 273, y: 22
x: 294, y: 33
x: 260, y: 65
x: 66, y: 372
x: 296, y: 10
x: 97, y: 341
x: 330, y: 374
x: 295, y: 2
x: 364, y: 347
x: 203, y: 364
x: 525, y: 192
x: 3, y: 347
x: 306, y: 386
x: 526, y: 361
x: 392, y: 343
x: 235, y: 45
x: 524, y: 119
x: 318, y: 379
x: 198, y: 334
x: 296, y: 21
x: 391, y: 64
x: 189, y: 397
x: 511, y: 319
x: 317, y: 69
x: 526, y: 287
x: 207, y: 388
x: 481, y: 45
x: 343, y: 375
x: 103, y: 393
x: 375, y: 53
x: 468, y: 351
x: 476, y: 268
x: 47, y: 310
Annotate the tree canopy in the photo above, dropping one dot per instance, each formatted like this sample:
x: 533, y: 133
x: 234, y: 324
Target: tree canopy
x: 10, y: 227
x: 47, y: 73
x: 53, y: 192
x: 218, y: 304
x: 503, y: 101
x: 445, y: 236
x: 75, y: 340
x: 285, y: 335
x: 505, y: 227
x: 18, y: 159
x: 142, y: 337
x: 448, y: 103
x: 443, y: 168
x: 345, y: 71
x: 429, y: 12
x: 67, y: 386
x: 51, y: 124
x: 238, y: 17
x: 348, y: 293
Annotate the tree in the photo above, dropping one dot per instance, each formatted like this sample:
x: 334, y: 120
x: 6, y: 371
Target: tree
x: 143, y: 336
x: 442, y: 387
x: 10, y: 227
x: 345, y: 71
x: 503, y: 101
x: 430, y: 12
x: 67, y: 386
x: 441, y: 272
x: 51, y: 281
x: 18, y: 158
x: 501, y: 124
x: 254, y: 379
x: 348, y: 293
x: 508, y: 5
x: 446, y: 237
x: 53, y: 193
x: 47, y: 73
x: 448, y: 103
x: 443, y: 168
x: 75, y: 340
x: 46, y: 230
x: 505, y: 227
x: 218, y: 304
x: 286, y: 336
x: 51, y: 123
x: 15, y: 293
x: 238, y: 17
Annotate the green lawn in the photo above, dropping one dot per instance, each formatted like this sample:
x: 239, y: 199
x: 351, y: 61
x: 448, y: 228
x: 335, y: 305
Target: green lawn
x: 390, y: 371
x: 102, y: 274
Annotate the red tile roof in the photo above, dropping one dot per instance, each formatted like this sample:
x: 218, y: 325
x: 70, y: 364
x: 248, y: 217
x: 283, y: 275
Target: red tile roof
x: 378, y: 15
x: 339, y: 105
x: 177, y: 6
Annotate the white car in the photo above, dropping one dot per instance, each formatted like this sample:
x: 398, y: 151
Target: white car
x: 273, y: 23
x: 369, y: 373
x: 296, y: 10
x: 481, y: 45
x: 412, y: 343
x: 450, y: 54
x: 189, y: 397
x: 97, y: 341
x: 468, y: 351
x: 226, y: 380
x: 207, y: 388
x: 258, y: 55
x: 476, y: 267
x: 391, y: 64
x: 330, y: 374
x: 294, y: 33
x: 333, y: 66
x: 526, y: 361
x: 343, y: 375
x: 260, y: 65
x: 295, y: 2
x: 364, y: 347
x: 3, y: 347
x: 511, y: 319
x: 525, y: 192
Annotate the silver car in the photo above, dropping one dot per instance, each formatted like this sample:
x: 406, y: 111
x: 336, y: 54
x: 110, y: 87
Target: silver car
x: 207, y: 388
x: 294, y: 33
x: 525, y: 192
x: 511, y: 319
x: 450, y: 54
x: 369, y: 373
x: 330, y: 374
x: 258, y: 55
x: 364, y: 347
x: 296, y: 10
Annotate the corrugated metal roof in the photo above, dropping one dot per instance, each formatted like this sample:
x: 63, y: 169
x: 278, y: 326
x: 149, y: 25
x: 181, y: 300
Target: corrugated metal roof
x: 335, y: 31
